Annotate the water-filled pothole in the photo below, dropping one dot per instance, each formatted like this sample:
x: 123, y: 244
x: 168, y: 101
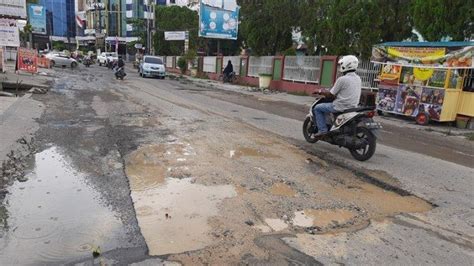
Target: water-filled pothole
x: 172, y: 211
x: 56, y: 217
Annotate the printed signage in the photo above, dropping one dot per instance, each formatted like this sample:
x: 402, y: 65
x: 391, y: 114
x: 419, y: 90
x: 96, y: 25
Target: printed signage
x: 13, y: 8
x: 27, y: 60
x: 175, y: 35
x: 218, y: 23
x: 9, y: 33
x: 437, y: 57
x: 37, y: 18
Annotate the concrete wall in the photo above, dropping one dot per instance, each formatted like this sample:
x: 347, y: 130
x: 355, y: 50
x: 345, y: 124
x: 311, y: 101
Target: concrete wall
x: 300, y: 74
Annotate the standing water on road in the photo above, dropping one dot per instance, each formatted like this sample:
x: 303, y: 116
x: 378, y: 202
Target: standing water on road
x: 172, y: 213
x: 55, y: 217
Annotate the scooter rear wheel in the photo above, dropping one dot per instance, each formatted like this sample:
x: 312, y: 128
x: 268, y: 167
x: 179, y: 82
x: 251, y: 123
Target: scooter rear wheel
x: 368, y: 151
x: 309, y: 130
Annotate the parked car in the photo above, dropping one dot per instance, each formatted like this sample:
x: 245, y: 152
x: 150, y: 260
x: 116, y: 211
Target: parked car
x: 103, y: 57
x: 57, y: 59
x: 152, y: 66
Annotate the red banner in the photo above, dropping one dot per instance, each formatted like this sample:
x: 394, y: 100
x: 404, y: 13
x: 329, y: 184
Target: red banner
x: 27, y: 60
x: 43, y: 62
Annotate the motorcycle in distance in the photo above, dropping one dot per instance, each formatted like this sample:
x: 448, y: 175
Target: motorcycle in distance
x: 230, y: 78
x: 87, y: 61
x: 353, y: 129
x: 119, y: 72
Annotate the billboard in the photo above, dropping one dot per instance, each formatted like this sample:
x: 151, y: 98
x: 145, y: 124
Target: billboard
x: 9, y: 33
x: 218, y: 23
x: 13, y: 8
x: 175, y: 35
x: 27, y: 60
x: 37, y: 18
x: 436, y: 57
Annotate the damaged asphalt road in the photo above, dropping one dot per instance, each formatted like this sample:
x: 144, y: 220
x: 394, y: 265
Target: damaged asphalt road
x: 151, y: 171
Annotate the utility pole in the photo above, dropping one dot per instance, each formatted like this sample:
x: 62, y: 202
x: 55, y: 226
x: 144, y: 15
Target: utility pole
x: 150, y: 22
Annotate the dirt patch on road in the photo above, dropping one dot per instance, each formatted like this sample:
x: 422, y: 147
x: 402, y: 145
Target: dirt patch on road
x: 282, y: 189
x: 269, y: 193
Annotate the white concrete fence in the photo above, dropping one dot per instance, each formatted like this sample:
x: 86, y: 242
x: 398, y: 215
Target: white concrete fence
x: 209, y: 64
x: 368, y: 73
x: 302, y: 69
x: 260, y: 65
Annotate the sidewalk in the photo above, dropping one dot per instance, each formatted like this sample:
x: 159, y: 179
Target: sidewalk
x: 25, y: 80
x: 261, y: 94
x: 439, y: 128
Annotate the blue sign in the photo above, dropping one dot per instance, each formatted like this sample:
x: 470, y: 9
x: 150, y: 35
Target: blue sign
x: 37, y: 18
x: 218, y: 23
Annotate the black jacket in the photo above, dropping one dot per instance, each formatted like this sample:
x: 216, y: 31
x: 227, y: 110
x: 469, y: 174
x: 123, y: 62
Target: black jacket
x: 228, y: 69
x: 120, y: 63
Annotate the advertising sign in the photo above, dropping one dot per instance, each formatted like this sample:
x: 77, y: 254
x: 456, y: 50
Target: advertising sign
x: 13, y: 8
x: 411, y: 100
x: 175, y: 35
x: 437, y: 57
x: 27, y: 60
x: 43, y: 62
x: 37, y: 18
x: 9, y: 34
x: 218, y: 23
x: 81, y: 19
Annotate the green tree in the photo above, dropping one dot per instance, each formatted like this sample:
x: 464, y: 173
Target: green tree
x: 436, y: 19
x: 59, y: 45
x: 138, y: 29
x: 175, y: 18
x: 266, y: 26
x: 352, y: 27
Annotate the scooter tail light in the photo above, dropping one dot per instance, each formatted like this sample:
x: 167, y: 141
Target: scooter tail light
x: 371, y: 114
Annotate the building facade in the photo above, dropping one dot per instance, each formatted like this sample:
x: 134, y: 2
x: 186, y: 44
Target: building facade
x: 60, y: 18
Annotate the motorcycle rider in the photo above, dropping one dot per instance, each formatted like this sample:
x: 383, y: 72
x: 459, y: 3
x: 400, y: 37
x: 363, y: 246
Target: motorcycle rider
x: 345, y: 92
x: 120, y: 62
x: 228, y: 71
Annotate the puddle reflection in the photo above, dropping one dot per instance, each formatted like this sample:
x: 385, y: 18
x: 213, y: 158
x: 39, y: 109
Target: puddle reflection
x: 55, y: 216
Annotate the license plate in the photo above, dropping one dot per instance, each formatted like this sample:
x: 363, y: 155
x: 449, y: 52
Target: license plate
x: 373, y: 125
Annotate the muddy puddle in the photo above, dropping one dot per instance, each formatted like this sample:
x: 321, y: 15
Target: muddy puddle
x: 379, y: 202
x: 55, y: 217
x: 172, y: 212
x: 323, y: 218
x: 251, y: 152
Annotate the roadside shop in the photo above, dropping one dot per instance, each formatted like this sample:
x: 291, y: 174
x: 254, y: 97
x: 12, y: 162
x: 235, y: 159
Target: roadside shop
x: 426, y: 80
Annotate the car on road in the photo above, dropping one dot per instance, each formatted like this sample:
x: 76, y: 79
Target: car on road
x: 61, y: 60
x: 103, y: 57
x: 152, y: 66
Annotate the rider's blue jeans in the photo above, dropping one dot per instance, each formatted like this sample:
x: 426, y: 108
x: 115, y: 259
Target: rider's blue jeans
x: 319, y: 112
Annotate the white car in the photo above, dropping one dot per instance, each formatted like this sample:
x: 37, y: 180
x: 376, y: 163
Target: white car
x: 61, y: 60
x: 103, y: 57
x: 152, y: 66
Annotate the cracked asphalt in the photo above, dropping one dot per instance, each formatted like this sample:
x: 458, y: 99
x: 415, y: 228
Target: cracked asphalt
x: 148, y: 172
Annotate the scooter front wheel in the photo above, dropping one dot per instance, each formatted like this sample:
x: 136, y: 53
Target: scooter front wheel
x: 309, y: 129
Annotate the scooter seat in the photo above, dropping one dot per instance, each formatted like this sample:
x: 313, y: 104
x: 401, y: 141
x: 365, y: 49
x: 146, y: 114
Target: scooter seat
x: 357, y: 109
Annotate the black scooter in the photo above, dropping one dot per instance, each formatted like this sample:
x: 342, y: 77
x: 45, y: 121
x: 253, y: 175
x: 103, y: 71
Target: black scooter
x: 120, y: 73
x: 353, y: 129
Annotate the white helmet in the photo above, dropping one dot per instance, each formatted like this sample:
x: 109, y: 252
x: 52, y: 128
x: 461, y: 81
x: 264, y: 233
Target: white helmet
x: 348, y: 63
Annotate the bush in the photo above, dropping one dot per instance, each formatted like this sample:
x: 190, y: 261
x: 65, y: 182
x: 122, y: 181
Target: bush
x: 59, y: 45
x: 182, y: 64
x: 190, y: 56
